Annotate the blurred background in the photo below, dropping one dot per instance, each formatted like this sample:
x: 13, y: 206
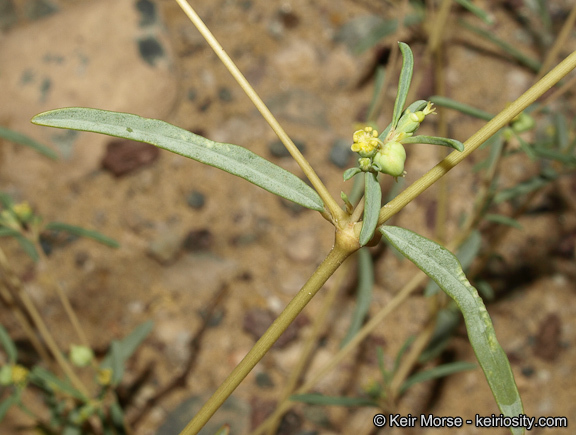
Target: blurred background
x: 212, y: 259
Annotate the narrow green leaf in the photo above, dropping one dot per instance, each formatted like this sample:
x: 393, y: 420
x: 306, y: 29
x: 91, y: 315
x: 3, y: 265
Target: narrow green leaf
x: 466, y: 254
x: 8, y: 232
x: 83, y: 232
x: 524, y: 188
x: 28, y: 247
x: 443, y: 267
x: 461, y: 107
x: 320, y: 399
x: 372, y: 203
x: 407, y: 343
x: 349, y: 173
x: 19, y: 138
x: 504, y: 220
x: 117, y: 362
x: 404, y: 82
x: 561, y: 130
x: 45, y: 379
x: 550, y: 154
x: 230, y: 158
x: 363, y: 294
x: 435, y: 373
x: 386, y: 375
x: 480, y: 13
x: 6, y: 200
x: 433, y: 140
x: 8, y: 345
x: 6, y: 404
x: 224, y: 430
x: 129, y: 344
x: 523, y: 59
x: 524, y: 146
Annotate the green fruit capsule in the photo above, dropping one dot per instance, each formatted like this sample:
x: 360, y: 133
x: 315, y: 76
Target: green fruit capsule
x: 390, y: 159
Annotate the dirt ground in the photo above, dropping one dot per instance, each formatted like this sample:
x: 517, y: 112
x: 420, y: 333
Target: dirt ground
x: 196, y: 240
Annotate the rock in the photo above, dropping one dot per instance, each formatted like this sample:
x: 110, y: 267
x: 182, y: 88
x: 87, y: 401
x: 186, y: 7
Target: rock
x: 198, y: 240
x: 124, y: 156
x: 68, y: 66
x: 165, y: 246
x: 196, y: 200
x: 547, y: 346
x: 341, y: 153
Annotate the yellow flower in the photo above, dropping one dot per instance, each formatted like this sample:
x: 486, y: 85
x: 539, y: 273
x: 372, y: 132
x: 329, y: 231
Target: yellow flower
x: 366, y: 142
x: 19, y: 375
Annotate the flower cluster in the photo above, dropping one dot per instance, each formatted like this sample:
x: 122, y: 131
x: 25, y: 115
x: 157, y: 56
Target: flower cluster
x: 388, y: 155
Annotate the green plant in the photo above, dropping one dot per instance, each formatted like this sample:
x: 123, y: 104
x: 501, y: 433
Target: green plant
x: 383, y: 154
x: 74, y: 407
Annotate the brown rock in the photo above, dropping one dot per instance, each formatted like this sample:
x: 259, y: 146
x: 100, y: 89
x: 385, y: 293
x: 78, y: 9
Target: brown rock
x: 124, y: 156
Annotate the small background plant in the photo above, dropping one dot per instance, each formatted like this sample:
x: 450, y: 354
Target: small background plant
x: 251, y: 253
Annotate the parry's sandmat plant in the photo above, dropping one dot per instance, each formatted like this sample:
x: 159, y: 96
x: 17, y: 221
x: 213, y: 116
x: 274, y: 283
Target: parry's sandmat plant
x: 360, y: 223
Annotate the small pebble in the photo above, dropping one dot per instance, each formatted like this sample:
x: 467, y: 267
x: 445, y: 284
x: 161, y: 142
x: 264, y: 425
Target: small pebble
x: 165, y: 246
x: 198, y: 240
x: 225, y: 95
x: 196, y: 200
x: 340, y: 153
x: 263, y: 380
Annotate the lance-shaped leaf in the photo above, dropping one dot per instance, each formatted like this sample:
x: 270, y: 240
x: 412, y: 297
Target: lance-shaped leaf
x: 19, y: 138
x: 372, y: 203
x: 461, y: 107
x: 443, y: 267
x: 433, y: 140
x: 8, y: 345
x: 320, y: 399
x: 83, y: 232
x: 230, y: 158
x: 404, y: 82
x: 350, y: 172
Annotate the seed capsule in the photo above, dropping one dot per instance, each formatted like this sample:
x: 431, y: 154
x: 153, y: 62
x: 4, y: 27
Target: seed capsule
x: 390, y: 159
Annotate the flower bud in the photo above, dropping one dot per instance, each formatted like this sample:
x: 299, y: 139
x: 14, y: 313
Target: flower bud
x: 390, y: 159
x: 365, y: 164
x: 81, y: 356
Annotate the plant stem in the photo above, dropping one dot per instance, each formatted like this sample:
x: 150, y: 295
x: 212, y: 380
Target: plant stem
x: 43, y: 329
x: 318, y: 327
x: 62, y: 297
x: 339, y: 217
x: 334, y: 259
x: 499, y: 121
x: 366, y: 330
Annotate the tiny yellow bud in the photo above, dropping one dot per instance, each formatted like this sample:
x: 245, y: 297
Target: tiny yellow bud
x: 104, y: 377
x: 19, y: 374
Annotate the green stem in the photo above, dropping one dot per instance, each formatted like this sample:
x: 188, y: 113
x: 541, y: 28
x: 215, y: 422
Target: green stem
x: 334, y: 259
x: 481, y: 136
x: 339, y: 217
